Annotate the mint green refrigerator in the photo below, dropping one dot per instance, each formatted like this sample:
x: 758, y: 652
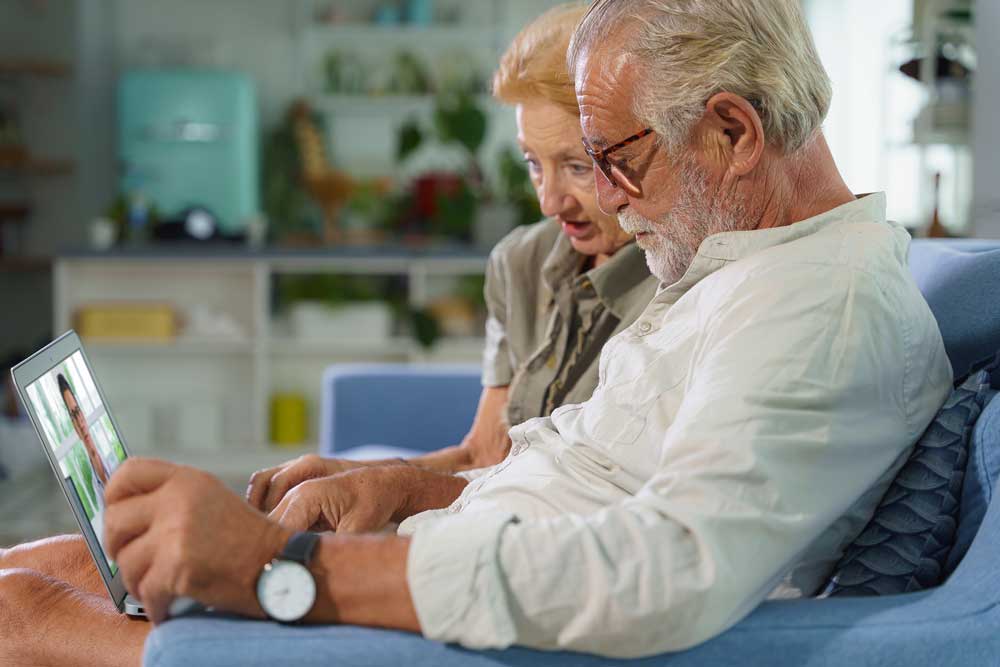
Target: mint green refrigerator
x: 189, y: 137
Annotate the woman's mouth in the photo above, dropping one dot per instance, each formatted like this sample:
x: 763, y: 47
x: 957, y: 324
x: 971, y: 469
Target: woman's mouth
x: 576, y: 229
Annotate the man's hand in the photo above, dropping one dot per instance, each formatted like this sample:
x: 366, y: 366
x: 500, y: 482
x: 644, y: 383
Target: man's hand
x: 356, y: 501
x: 268, y: 487
x: 365, y: 500
x: 178, y: 532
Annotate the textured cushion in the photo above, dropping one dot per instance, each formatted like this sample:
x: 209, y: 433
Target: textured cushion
x: 981, y: 473
x: 960, y: 281
x: 905, y: 546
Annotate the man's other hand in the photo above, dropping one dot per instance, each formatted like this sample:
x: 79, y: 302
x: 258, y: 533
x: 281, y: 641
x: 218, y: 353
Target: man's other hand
x: 356, y: 501
x: 268, y: 487
x: 178, y: 532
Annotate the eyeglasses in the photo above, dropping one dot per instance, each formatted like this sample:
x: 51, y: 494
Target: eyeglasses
x: 612, y: 172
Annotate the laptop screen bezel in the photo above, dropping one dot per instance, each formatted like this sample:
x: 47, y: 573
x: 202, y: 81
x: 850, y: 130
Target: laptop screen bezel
x: 26, y: 373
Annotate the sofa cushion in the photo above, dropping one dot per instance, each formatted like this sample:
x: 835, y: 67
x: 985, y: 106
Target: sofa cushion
x: 960, y: 281
x: 981, y: 474
x: 906, y: 544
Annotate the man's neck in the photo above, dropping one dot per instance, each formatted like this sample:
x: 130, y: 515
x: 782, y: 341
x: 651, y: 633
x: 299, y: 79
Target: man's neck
x: 803, y: 186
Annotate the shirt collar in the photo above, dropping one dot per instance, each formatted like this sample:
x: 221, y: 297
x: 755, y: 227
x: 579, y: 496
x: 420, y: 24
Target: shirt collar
x: 720, y: 249
x: 613, y: 281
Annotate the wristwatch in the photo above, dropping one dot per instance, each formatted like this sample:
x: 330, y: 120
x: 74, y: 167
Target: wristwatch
x: 286, y: 589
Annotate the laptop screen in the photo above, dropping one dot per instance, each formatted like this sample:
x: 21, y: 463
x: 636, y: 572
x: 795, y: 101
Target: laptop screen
x: 80, y: 435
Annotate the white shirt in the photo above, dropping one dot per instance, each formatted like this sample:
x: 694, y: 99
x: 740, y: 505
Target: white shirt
x: 741, y: 434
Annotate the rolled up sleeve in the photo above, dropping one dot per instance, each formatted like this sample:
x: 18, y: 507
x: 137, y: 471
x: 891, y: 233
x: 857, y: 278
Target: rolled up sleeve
x: 497, y: 368
x: 456, y: 581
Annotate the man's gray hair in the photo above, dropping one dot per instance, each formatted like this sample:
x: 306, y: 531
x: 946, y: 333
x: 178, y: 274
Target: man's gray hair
x: 689, y: 50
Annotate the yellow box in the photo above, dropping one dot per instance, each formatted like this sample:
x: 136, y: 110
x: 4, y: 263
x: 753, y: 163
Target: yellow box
x: 153, y: 322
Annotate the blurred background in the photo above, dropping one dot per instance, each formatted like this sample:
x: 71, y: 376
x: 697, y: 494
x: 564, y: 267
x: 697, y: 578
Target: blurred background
x: 223, y: 197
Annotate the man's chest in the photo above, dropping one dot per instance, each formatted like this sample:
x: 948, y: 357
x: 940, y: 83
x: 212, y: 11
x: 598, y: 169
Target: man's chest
x: 644, y: 373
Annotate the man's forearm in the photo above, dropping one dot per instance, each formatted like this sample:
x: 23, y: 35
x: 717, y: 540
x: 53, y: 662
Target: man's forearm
x: 361, y: 580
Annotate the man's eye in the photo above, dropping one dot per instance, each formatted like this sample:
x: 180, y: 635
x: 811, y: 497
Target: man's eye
x: 580, y: 169
x: 533, y: 165
x: 622, y: 165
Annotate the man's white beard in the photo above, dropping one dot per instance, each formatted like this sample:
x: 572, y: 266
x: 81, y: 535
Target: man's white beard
x: 674, y: 239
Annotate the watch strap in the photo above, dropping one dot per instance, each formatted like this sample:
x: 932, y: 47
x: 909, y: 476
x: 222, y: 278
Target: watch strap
x: 300, y: 548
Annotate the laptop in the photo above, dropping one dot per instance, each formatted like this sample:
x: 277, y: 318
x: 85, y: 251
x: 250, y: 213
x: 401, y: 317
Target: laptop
x: 81, y: 440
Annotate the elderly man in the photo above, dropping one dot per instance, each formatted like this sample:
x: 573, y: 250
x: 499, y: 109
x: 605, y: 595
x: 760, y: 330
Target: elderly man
x: 740, y: 436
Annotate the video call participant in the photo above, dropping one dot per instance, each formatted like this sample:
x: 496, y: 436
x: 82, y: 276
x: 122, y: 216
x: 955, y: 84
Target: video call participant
x: 101, y: 472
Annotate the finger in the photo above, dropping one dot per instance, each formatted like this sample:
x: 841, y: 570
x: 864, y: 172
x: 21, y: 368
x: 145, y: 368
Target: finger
x: 259, y: 483
x: 138, y: 476
x: 126, y: 520
x: 155, y: 592
x: 282, y: 483
x: 134, y: 562
x: 295, y: 512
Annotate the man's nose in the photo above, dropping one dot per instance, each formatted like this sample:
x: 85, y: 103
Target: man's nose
x: 610, y: 198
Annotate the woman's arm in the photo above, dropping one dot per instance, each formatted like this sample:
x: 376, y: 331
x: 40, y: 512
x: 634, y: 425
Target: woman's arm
x: 485, y: 445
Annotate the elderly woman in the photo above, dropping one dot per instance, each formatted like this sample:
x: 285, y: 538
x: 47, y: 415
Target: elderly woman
x: 556, y: 291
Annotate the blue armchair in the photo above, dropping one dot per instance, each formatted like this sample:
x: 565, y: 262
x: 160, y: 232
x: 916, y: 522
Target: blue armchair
x: 956, y: 624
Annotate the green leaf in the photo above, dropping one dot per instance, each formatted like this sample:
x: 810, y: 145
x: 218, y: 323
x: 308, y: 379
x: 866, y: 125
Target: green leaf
x: 409, y: 139
x: 458, y: 119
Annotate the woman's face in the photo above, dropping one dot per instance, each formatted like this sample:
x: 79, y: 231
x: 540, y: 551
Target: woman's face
x: 563, y: 176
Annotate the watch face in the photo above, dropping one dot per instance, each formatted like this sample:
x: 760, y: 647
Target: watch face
x: 286, y: 590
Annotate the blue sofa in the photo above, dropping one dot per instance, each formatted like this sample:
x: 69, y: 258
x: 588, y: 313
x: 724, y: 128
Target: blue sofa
x: 956, y: 624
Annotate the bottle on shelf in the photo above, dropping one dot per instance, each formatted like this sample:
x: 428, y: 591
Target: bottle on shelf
x: 936, y: 230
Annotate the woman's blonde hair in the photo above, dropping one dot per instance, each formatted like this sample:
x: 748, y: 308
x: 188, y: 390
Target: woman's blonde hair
x: 534, y: 65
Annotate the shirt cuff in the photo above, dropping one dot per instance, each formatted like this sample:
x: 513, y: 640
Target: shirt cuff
x: 456, y: 582
x: 475, y: 473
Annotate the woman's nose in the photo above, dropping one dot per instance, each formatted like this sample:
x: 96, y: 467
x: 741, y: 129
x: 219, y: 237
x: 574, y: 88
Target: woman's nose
x: 552, y: 198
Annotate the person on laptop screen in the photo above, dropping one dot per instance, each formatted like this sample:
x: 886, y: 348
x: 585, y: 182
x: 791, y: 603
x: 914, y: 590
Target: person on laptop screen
x: 101, y: 471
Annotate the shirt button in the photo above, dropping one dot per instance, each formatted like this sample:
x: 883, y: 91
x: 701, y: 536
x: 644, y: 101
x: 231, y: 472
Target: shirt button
x: 645, y: 327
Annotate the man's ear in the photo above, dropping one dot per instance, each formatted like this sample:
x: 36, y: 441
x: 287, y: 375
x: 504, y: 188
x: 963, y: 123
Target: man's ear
x: 735, y: 132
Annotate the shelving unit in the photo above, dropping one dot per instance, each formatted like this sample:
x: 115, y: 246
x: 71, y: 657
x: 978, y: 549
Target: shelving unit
x: 362, y: 125
x: 942, y: 129
x: 151, y: 385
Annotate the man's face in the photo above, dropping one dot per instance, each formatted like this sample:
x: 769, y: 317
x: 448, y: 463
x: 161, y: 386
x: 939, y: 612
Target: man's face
x: 678, y: 200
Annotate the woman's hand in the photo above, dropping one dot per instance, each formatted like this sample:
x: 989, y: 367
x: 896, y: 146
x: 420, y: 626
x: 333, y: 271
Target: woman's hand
x: 268, y: 487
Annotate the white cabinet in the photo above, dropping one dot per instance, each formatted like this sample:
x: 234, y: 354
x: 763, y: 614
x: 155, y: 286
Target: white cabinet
x: 205, y: 399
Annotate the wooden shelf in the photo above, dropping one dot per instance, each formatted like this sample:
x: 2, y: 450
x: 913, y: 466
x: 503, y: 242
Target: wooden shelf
x: 25, y: 264
x: 383, y: 105
x: 35, y: 68
x: 194, y: 346
x: 38, y: 167
x: 438, y: 36
x: 14, y: 212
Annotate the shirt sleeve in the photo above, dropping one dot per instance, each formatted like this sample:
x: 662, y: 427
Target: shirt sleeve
x: 775, y: 439
x: 497, y: 368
